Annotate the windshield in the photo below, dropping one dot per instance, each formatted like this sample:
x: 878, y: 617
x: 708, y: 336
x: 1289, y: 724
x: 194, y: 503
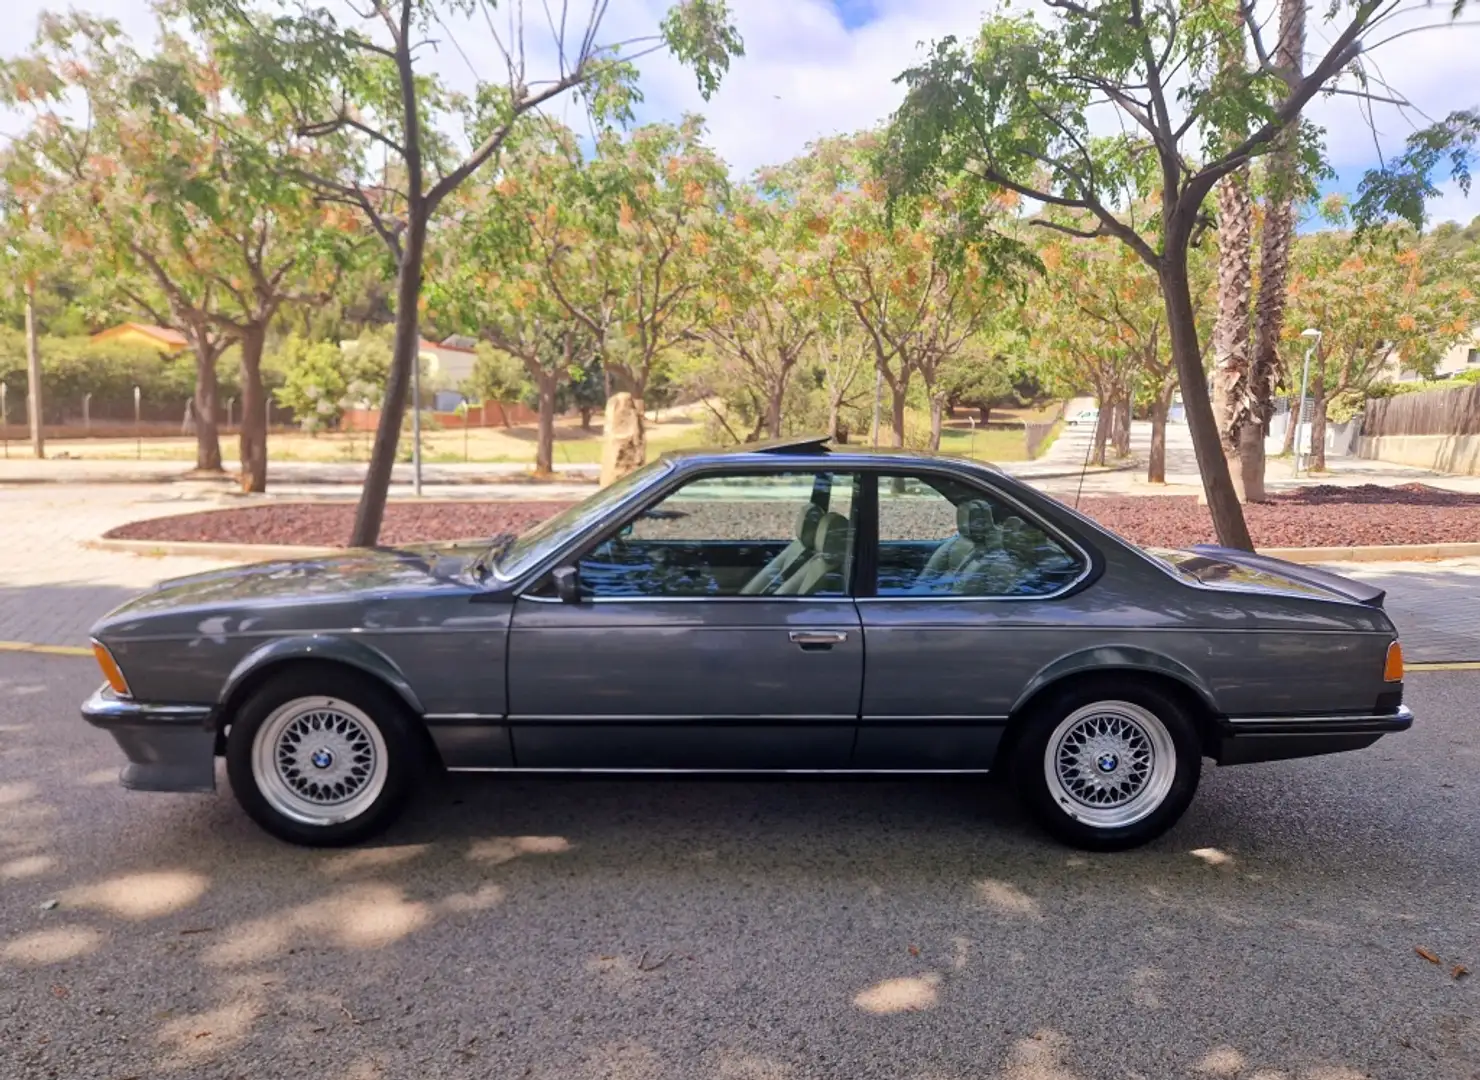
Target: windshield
x: 538, y: 541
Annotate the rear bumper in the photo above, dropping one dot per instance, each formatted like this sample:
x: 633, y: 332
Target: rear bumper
x: 1272, y: 738
x: 169, y: 747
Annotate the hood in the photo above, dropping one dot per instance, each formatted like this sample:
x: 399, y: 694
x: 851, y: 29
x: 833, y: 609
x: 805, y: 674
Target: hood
x: 1232, y: 568
x: 361, y: 574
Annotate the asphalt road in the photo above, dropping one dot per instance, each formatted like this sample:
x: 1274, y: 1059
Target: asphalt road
x: 742, y: 931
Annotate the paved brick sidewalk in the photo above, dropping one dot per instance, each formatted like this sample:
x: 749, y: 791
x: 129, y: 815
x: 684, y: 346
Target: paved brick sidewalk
x: 1436, y: 605
x: 52, y: 588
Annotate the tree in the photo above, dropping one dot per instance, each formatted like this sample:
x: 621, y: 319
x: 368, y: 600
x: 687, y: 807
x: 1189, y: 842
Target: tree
x: 322, y: 379
x: 633, y: 234
x: 919, y: 276
x: 843, y: 358
x: 1242, y: 437
x: 1395, y: 300
x: 761, y: 308
x: 181, y: 198
x: 1013, y: 111
x: 1282, y: 183
x: 365, y: 85
x: 26, y: 249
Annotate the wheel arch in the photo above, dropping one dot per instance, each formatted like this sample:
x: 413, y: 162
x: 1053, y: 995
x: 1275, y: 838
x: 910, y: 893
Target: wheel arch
x: 1108, y: 663
x: 270, y: 659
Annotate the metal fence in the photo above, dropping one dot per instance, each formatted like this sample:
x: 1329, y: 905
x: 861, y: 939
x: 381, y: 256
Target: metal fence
x: 1431, y: 412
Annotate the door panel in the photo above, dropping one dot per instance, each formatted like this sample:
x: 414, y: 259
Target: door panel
x: 684, y: 683
x: 965, y: 614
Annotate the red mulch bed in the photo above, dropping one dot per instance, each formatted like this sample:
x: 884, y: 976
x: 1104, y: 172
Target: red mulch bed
x: 328, y: 524
x: 1323, y: 516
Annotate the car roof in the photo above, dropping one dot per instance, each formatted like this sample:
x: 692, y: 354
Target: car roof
x: 813, y: 450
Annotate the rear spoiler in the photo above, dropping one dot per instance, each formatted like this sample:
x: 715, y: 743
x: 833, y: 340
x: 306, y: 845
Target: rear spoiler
x: 1357, y: 591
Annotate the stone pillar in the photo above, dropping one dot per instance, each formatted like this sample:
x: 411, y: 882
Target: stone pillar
x: 623, y: 447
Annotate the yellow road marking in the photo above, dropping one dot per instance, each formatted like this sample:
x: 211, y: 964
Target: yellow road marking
x: 47, y: 650
x: 1458, y: 665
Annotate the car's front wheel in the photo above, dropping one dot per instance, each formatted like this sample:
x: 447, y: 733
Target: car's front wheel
x: 1108, y: 767
x: 321, y: 757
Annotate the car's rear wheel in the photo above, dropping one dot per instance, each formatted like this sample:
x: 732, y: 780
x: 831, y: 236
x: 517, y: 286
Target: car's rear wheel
x: 1108, y: 767
x: 321, y: 757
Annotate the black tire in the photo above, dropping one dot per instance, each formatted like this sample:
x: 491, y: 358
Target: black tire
x: 1149, y: 721
x: 379, y: 730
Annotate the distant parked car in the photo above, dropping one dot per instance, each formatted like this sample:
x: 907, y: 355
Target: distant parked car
x: 1085, y: 417
x: 776, y: 610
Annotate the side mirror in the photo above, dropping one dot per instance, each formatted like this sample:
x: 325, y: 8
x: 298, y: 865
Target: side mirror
x: 567, y: 581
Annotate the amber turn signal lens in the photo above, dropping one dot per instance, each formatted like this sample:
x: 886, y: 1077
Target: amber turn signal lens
x: 110, y: 668
x: 1392, y: 671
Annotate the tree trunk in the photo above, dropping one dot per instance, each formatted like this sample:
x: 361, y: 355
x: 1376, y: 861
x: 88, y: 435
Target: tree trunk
x: 1231, y: 331
x: 832, y: 419
x: 937, y: 413
x: 897, y: 393
x: 1275, y: 244
x: 1123, y: 425
x: 544, y: 452
x: 207, y: 434
x: 1202, y: 425
x: 586, y: 412
x: 773, y: 410
x: 1289, y: 447
x: 1156, y: 465
x: 254, y: 412
x: 33, y: 375
x: 984, y: 414
x: 1317, y: 423
x: 371, y: 510
x: 1102, y: 429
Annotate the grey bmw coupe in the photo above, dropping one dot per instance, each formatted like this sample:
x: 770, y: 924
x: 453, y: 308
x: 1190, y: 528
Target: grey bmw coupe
x: 787, y: 608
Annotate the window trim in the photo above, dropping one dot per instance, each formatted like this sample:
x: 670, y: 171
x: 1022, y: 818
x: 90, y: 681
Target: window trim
x: 638, y: 507
x: 870, y: 592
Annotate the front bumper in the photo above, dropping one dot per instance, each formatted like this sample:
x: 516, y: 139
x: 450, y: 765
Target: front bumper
x: 169, y: 747
x: 1272, y: 738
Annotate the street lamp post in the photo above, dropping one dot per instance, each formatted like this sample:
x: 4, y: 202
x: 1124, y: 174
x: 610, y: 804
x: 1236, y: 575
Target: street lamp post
x: 1315, y: 343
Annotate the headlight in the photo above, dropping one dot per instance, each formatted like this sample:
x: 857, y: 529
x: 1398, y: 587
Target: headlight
x: 111, y: 671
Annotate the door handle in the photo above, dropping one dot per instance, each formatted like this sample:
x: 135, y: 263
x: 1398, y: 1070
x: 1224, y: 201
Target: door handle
x: 818, y: 639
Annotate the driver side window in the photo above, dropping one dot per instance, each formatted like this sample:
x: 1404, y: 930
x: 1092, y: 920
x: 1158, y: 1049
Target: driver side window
x: 737, y: 535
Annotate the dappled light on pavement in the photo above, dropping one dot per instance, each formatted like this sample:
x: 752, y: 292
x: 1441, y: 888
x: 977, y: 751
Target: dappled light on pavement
x: 52, y: 946
x: 369, y: 916
x: 148, y: 895
x: 1213, y: 857
x: 1006, y: 898
x: 26, y: 867
x: 910, y: 994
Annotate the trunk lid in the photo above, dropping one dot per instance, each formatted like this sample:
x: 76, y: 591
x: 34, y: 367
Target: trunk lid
x: 1231, y: 568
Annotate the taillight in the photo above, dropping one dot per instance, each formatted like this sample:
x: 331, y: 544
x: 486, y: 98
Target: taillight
x: 1392, y: 670
x: 111, y: 671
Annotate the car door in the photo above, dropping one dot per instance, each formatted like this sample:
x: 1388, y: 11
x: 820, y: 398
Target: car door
x: 713, y: 630
x: 966, y: 583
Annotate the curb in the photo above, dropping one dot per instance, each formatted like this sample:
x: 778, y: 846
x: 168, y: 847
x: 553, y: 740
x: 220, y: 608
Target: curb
x: 202, y: 549
x: 1374, y: 553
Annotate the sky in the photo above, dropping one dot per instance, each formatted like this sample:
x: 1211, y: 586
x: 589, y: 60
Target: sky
x: 815, y: 68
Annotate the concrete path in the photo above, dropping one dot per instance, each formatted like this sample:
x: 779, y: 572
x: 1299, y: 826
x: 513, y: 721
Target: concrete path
x: 1069, y: 451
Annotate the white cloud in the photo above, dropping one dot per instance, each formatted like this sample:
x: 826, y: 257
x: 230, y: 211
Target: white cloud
x: 805, y: 75
x: 1454, y: 205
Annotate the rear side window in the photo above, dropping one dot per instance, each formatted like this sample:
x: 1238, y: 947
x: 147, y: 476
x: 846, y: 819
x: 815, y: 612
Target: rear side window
x: 942, y: 538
